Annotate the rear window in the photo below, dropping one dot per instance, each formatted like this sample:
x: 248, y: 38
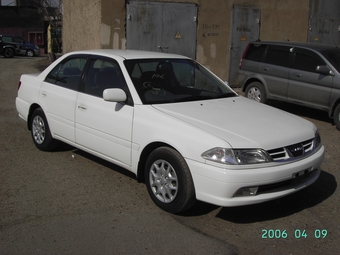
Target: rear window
x: 7, y: 38
x: 255, y: 52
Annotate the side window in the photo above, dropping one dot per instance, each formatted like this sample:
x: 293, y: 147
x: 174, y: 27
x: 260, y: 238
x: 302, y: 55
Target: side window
x: 307, y: 60
x: 255, y: 52
x: 7, y: 38
x: 67, y: 74
x: 278, y: 55
x: 103, y: 74
x: 18, y: 39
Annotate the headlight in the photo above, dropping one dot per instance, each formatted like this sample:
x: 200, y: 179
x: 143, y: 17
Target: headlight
x: 236, y: 156
x: 317, y: 139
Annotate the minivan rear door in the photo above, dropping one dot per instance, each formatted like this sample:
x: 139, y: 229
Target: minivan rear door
x: 275, y: 70
x: 306, y: 85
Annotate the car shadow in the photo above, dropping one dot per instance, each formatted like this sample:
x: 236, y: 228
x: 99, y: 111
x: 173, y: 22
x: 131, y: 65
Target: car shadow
x: 63, y: 147
x: 309, y: 197
x: 105, y: 163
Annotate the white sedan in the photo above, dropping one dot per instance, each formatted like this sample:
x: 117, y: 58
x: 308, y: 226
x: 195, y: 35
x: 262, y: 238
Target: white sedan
x: 174, y: 124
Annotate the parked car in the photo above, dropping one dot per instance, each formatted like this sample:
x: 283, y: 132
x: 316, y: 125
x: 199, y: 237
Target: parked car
x: 174, y: 124
x: 301, y: 73
x: 25, y: 48
x: 9, y: 49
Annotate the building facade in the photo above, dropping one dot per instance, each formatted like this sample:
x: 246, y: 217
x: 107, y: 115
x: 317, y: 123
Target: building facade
x: 214, y: 32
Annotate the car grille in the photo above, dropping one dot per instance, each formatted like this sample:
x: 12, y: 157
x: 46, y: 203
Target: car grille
x: 292, y: 151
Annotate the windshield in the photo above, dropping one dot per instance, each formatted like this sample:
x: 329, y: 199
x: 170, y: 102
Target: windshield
x: 333, y: 56
x: 160, y: 81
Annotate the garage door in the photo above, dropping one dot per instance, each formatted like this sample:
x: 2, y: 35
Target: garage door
x: 166, y: 27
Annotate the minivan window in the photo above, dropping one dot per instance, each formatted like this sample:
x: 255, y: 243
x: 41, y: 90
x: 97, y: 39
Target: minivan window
x: 278, y: 55
x: 307, y: 60
x: 333, y: 56
x: 255, y: 52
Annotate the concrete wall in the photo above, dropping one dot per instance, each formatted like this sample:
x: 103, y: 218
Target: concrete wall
x: 91, y: 24
x: 81, y: 25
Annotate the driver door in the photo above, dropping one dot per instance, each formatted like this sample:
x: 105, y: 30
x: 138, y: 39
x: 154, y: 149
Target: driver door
x: 104, y: 127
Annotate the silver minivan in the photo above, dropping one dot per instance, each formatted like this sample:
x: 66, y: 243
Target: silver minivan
x: 302, y: 73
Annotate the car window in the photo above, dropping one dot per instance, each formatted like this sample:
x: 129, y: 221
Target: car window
x: 333, y: 56
x: 18, y: 39
x: 67, y: 74
x: 255, y: 52
x: 174, y: 80
x: 306, y: 60
x: 103, y: 74
x: 278, y: 55
x: 7, y: 38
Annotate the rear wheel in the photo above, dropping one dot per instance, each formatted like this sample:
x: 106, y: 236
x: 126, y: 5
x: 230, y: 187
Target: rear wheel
x: 256, y: 91
x: 169, y: 181
x: 40, y: 131
x: 8, y: 53
x: 337, y: 117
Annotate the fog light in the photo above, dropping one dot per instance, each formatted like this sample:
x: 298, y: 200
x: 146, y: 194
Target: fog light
x: 249, y: 191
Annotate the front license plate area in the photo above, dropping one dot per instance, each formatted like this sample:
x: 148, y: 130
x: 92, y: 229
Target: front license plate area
x: 302, y: 173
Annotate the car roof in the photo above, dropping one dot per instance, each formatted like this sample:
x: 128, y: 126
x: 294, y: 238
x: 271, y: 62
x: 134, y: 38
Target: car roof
x: 128, y: 54
x: 315, y: 46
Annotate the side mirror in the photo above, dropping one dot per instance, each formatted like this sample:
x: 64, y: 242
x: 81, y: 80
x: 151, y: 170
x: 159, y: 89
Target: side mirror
x: 114, y: 95
x: 324, y: 70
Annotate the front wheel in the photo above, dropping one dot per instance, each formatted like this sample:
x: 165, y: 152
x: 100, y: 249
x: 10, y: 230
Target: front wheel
x: 168, y: 180
x: 256, y: 91
x: 337, y: 117
x: 40, y: 131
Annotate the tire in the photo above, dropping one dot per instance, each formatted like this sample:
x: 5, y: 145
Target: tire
x: 337, y: 117
x: 40, y: 132
x: 30, y: 53
x: 8, y: 53
x: 256, y: 91
x: 168, y: 180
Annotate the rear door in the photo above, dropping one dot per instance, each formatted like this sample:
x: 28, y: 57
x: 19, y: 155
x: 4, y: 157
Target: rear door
x: 275, y: 70
x: 306, y: 85
x: 58, y: 95
x: 101, y: 126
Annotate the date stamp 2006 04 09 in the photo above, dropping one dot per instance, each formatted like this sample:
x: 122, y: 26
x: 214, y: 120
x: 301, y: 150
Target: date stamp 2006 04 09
x: 298, y: 234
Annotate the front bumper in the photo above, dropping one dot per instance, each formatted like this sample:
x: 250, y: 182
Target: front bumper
x: 217, y: 185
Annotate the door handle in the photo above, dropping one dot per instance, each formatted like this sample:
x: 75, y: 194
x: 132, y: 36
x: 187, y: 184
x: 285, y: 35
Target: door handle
x: 297, y: 74
x: 82, y: 107
x: 265, y: 68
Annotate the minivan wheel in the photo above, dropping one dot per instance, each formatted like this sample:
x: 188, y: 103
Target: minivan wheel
x: 255, y: 91
x: 30, y: 53
x: 337, y: 117
x: 168, y: 180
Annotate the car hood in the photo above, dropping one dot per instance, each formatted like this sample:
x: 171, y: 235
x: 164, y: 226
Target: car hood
x: 243, y: 123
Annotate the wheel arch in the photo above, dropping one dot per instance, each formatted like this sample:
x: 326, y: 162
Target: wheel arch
x: 335, y: 104
x: 33, y: 107
x: 251, y: 80
x: 144, y: 156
